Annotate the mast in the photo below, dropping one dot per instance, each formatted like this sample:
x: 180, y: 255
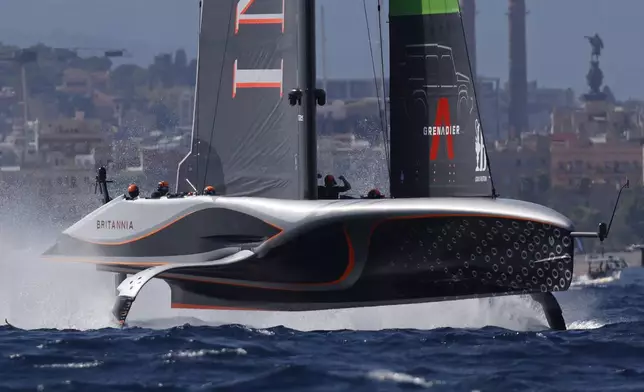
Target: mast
x: 307, y: 79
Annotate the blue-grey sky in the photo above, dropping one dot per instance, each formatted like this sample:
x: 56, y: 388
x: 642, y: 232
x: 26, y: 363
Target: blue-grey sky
x: 557, y: 52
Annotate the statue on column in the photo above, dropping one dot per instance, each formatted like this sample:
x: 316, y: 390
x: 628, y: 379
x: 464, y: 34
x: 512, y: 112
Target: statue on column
x: 595, y: 76
x: 597, y: 45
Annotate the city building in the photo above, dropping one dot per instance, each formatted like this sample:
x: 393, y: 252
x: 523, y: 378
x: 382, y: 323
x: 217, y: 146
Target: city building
x: 580, y: 163
x: 82, y: 82
x: 521, y: 168
x: 598, y: 118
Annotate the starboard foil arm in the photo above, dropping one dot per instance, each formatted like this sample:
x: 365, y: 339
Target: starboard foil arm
x: 552, y: 310
x: 130, y: 288
x: 547, y: 300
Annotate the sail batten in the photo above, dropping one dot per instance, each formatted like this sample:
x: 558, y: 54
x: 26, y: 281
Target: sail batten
x: 437, y: 142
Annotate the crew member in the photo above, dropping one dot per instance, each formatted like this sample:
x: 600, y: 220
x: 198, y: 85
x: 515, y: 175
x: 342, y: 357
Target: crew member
x: 162, y: 190
x: 209, y: 191
x: 331, y: 190
x: 132, y: 192
x: 375, y: 194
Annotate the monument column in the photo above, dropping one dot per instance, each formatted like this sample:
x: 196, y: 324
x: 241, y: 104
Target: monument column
x: 518, y: 111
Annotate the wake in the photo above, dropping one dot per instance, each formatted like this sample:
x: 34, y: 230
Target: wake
x: 584, y: 280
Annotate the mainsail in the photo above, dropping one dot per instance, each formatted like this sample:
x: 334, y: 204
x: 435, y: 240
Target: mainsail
x: 437, y: 146
x: 245, y: 134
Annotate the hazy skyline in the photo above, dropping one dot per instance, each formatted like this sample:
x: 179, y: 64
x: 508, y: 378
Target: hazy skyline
x: 558, y: 54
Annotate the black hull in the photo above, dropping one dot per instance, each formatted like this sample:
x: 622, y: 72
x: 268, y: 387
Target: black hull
x: 270, y: 254
x: 422, y: 259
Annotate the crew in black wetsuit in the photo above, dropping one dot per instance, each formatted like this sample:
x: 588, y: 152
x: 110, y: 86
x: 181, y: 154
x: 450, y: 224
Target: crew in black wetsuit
x: 331, y: 190
x: 321, y: 191
x: 162, y: 190
x: 374, y: 194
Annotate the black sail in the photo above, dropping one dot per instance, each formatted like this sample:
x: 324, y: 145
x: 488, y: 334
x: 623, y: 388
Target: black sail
x: 245, y: 134
x: 437, y: 146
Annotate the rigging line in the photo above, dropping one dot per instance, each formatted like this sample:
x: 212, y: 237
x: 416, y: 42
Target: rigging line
x: 299, y: 161
x: 195, y: 142
x: 476, y: 101
x: 221, y: 73
x: 384, y: 93
x: 373, y: 61
x: 375, y: 77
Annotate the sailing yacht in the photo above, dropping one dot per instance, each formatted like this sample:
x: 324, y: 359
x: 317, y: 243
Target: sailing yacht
x: 264, y: 241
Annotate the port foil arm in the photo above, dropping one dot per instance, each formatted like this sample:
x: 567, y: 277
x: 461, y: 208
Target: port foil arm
x: 131, y: 287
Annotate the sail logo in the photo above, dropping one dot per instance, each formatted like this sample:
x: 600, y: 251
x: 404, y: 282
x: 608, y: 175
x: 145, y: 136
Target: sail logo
x: 479, y: 146
x: 442, y: 131
x: 114, y: 225
x: 257, y: 78
x: 442, y: 127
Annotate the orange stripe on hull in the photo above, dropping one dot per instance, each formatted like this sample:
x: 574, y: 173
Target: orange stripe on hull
x: 146, y: 235
x: 350, y: 266
x: 142, y: 236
